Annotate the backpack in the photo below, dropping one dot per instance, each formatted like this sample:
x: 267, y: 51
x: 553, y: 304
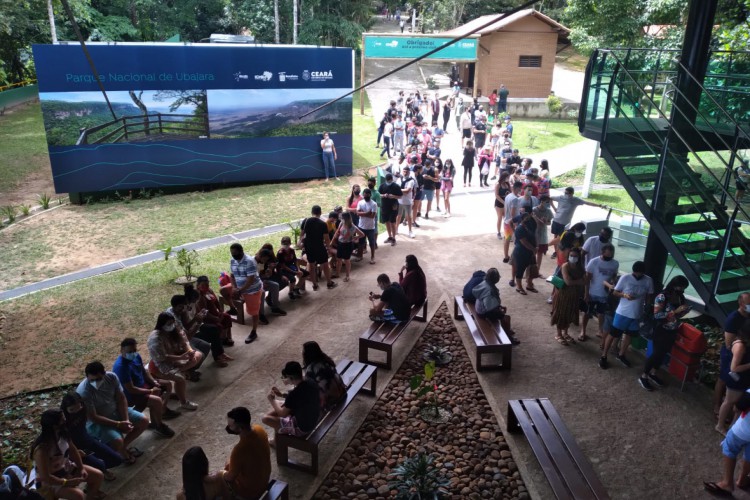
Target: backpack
x: 476, y: 279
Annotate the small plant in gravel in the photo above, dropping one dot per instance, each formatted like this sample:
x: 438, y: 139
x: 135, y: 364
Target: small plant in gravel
x: 416, y: 478
x: 9, y: 212
x: 25, y: 209
x: 425, y: 384
x: 439, y: 354
x: 44, y: 200
x: 296, y: 228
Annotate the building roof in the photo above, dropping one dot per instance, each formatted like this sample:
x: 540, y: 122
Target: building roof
x: 503, y: 23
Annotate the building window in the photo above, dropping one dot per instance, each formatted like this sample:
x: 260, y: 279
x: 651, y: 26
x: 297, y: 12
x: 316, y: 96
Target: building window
x: 529, y: 61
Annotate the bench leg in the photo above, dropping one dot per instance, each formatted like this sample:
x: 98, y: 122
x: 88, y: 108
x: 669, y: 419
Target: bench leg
x: 456, y: 313
x: 282, y: 450
x: 363, y: 352
x: 507, y: 353
x: 372, y: 390
x: 423, y: 316
x: 240, y: 307
x: 283, y: 443
x: 512, y: 420
x: 480, y: 367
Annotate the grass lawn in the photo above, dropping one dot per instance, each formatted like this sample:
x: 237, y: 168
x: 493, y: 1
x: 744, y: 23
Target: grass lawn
x: 365, y: 133
x: 575, y: 177
x: 571, y: 59
x: 615, y: 198
x: 537, y: 135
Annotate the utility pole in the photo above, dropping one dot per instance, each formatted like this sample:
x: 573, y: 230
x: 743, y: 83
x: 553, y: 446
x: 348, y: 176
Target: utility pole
x: 277, y: 39
x: 296, y: 20
x: 51, y: 14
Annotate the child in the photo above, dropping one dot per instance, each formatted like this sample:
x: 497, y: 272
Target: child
x: 292, y: 268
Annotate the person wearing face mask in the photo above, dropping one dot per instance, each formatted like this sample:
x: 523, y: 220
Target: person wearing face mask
x: 543, y: 217
x: 567, y: 300
x: 141, y: 389
x: 592, y: 247
x: 390, y: 193
x: 292, y: 268
x: 98, y: 455
x: 524, y: 252
x: 565, y: 209
x: 247, y: 285
x: 171, y: 357
x: 58, y: 465
x: 391, y: 304
x: 367, y: 210
x: 215, y: 315
x: 248, y: 469
x: 732, y: 326
x: 352, y: 201
x: 512, y: 209
x: 669, y: 307
x: 299, y: 412
x: 572, y: 238
x: 636, y: 289
x: 599, y: 270
x: 110, y: 420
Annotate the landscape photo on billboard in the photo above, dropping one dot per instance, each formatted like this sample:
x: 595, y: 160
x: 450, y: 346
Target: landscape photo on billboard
x: 80, y: 118
x: 276, y: 113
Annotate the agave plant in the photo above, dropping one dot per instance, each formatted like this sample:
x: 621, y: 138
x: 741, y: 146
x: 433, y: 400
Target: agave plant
x: 416, y: 478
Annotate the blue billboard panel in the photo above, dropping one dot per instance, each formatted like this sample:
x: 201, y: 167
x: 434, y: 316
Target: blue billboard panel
x: 191, y: 114
x: 411, y: 47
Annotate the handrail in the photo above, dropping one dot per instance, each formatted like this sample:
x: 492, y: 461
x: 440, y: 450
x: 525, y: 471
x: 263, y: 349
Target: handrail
x: 659, y: 112
x: 24, y: 83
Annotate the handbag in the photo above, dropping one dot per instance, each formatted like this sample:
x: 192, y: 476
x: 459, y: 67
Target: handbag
x: 557, y: 282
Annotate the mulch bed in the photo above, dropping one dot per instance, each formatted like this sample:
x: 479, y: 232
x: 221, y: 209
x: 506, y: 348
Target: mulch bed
x: 469, y: 449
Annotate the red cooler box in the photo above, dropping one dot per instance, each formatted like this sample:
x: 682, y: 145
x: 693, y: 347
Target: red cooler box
x: 688, y: 349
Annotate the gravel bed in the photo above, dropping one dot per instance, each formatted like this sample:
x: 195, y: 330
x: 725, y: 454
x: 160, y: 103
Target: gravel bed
x: 469, y: 449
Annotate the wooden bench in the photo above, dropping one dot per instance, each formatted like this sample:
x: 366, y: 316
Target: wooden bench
x: 277, y: 490
x: 489, y: 337
x: 382, y: 335
x: 568, y: 471
x: 355, y: 376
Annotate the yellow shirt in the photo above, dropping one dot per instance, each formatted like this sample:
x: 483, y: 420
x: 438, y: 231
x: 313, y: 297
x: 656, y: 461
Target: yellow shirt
x: 250, y: 461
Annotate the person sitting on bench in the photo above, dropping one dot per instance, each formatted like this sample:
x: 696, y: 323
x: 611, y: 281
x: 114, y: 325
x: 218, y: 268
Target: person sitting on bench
x: 413, y: 281
x: 300, y: 411
x: 392, y: 305
x: 487, y: 303
x: 197, y: 481
x: 249, y: 467
x: 321, y: 369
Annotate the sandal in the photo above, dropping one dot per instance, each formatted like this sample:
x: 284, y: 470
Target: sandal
x: 582, y: 338
x: 331, y: 285
x: 506, y: 260
x: 372, y: 262
x: 100, y: 495
x: 109, y: 475
x: 561, y: 340
x: 570, y: 339
x: 134, y: 452
x: 521, y: 291
x: 316, y: 286
x: 346, y: 279
x: 717, y: 490
x: 531, y: 289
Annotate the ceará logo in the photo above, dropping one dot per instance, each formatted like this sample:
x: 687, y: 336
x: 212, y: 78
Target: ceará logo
x: 321, y: 75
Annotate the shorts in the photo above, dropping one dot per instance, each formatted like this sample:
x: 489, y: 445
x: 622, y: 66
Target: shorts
x: 725, y: 363
x: 607, y: 324
x: 447, y: 186
x: 740, y: 185
x: 419, y: 195
x: 107, y: 434
x: 317, y: 254
x: 732, y: 446
x: 541, y: 249
x: 289, y: 426
x: 499, y: 204
x: 624, y: 324
x: 522, y: 260
x: 557, y: 229
x: 344, y: 250
x: 388, y: 215
x: 466, y: 133
x: 428, y: 194
x: 404, y: 211
x: 252, y: 302
x: 371, y: 237
x: 508, y: 229
x: 596, y: 306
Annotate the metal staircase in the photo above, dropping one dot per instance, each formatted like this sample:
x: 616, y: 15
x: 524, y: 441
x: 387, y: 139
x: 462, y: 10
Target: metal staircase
x: 677, y: 159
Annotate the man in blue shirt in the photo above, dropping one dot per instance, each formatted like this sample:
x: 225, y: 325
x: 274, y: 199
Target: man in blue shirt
x: 141, y: 389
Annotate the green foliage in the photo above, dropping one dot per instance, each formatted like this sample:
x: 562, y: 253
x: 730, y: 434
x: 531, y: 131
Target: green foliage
x: 423, y: 384
x: 331, y: 30
x: 25, y: 209
x: 187, y: 260
x: 416, y: 478
x: 530, y: 140
x: 554, y: 104
x: 296, y: 228
x: 9, y: 212
x: 44, y: 200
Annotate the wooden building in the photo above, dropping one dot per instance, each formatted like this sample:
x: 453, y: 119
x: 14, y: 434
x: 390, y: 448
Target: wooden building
x: 517, y: 51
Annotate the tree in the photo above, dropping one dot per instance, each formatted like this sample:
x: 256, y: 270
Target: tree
x: 144, y: 110
x: 605, y: 23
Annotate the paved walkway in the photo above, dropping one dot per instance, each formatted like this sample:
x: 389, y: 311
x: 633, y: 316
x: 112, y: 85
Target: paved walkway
x: 643, y: 445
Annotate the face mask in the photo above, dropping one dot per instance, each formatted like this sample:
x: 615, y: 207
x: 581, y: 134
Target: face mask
x: 356, y: 191
x: 388, y: 183
x: 238, y: 257
x: 578, y: 234
x: 95, y: 383
x: 367, y: 198
x: 130, y: 356
x: 678, y: 290
x: 573, y: 260
x: 169, y: 328
x: 637, y: 277
x: 747, y: 308
x: 603, y: 238
x: 568, y: 195
x: 230, y: 430
x: 606, y: 258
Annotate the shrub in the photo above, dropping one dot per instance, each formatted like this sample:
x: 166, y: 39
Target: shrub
x: 25, y: 209
x: 44, y: 200
x: 554, y: 104
x: 9, y: 212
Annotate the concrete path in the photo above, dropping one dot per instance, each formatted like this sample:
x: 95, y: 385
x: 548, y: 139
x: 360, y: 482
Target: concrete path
x: 643, y: 445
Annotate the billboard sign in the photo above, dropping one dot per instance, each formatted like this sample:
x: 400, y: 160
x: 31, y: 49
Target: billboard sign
x: 191, y: 114
x: 410, y: 47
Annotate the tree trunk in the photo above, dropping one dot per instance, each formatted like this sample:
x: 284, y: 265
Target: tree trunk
x: 144, y: 110
x: 295, y: 21
x: 52, y: 27
x: 276, y: 20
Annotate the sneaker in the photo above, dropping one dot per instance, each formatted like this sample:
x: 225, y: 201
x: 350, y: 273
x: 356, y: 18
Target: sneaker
x: 189, y: 405
x: 169, y: 413
x: 656, y: 380
x: 419, y: 214
x: 493, y: 178
x: 437, y: 209
x: 554, y: 254
x: 278, y: 311
x: 645, y: 384
x: 624, y: 361
x: 393, y: 242
x: 292, y: 296
x: 164, y: 430
x: 603, y: 363
x: 549, y: 299
x: 252, y: 337
x: 403, y: 223
x: 499, y: 236
x: 415, y: 224
x: 448, y: 215
x: 262, y: 319
x: 388, y: 240
x: 411, y: 234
